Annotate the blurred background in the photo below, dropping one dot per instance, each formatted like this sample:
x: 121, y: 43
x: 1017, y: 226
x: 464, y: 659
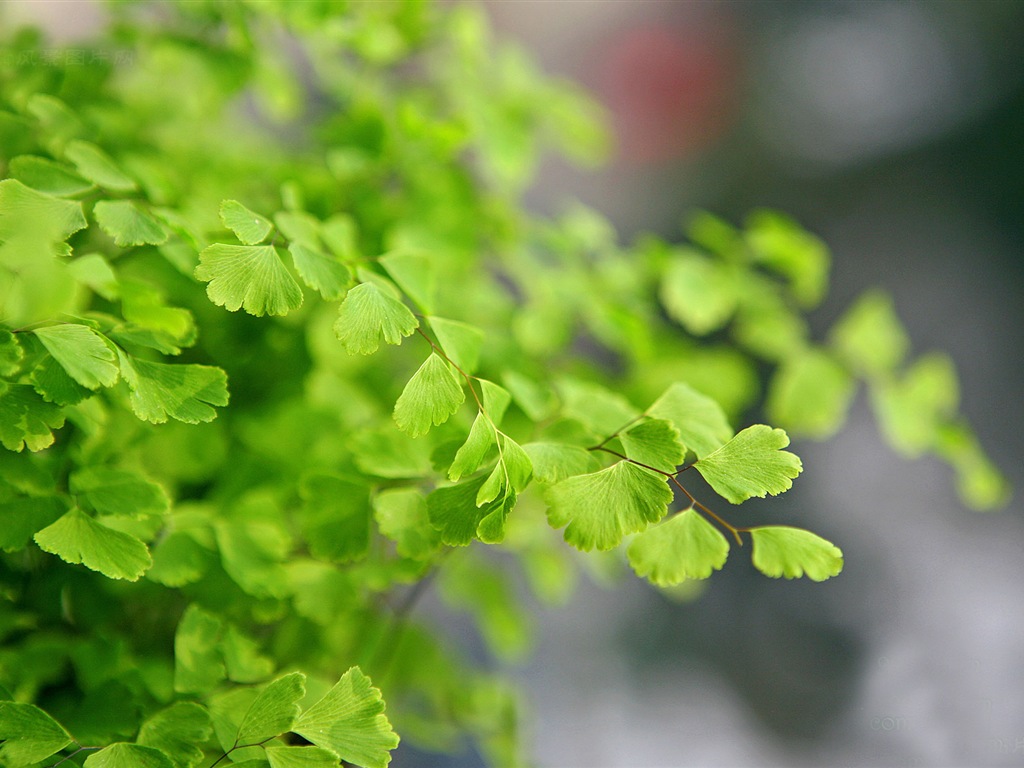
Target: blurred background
x: 895, y: 131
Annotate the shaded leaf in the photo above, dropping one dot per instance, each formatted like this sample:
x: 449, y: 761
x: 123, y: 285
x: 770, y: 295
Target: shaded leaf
x: 26, y: 419
x: 700, y: 294
x: 22, y: 517
x: 402, y: 516
x: 553, y: 462
x: 810, y: 395
x: 329, y: 277
x: 700, y: 420
x: 414, y: 274
x: 198, y: 667
x: 461, y: 342
x: 82, y: 352
x: 654, y: 442
x: 97, y: 166
x: 869, y: 336
x: 118, y: 492
x: 47, y: 176
x: 128, y: 224
x: 179, y: 731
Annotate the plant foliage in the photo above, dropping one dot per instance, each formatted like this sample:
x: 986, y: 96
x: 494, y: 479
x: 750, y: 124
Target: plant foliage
x: 279, y: 346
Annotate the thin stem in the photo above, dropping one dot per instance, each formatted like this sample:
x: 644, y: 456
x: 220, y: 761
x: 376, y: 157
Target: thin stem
x: 619, y: 431
x: 400, y: 619
x: 68, y: 757
x: 732, y: 529
x: 631, y: 461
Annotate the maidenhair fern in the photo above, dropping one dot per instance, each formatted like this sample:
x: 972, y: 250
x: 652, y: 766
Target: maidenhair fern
x: 280, y: 350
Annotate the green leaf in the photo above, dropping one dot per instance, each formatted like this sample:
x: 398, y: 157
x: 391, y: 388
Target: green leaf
x: 183, y: 392
x: 553, y: 462
x: 198, y: 667
x: 537, y: 402
x: 473, y: 452
x: 518, y: 466
x: 251, y: 552
x: 350, y: 722
x: 96, y: 165
x: 401, y: 515
x: 301, y: 757
x: 460, y: 341
x: 122, y: 755
x: 22, y: 517
x: 810, y: 395
x: 654, y: 442
x: 27, y: 214
x: 82, y: 352
x: 600, y: 508
x: 179, y: 559
x: 299, y: 227
x: 94, y: 271
x: 794, y: 552
x: 51, y: 381
x: 77, y: 538
x: 47, y: 176
x: 242, y: 658
x: 11, y: 354
x: 118, y: 492
x: 603, y: 411
x: 28, y: 734
x: 454, y: 512
x: 492, y: 525
x: 325, y: 275
x: 250, y: 228
x: 179, y: 731
x: 26, y: 419
x: 869, y: 337
x: 686, y: 546
x: 980, y: 484
x: 780, y: 244
x: 414, y: 274
x: 367, y: 315
x: 912, y: 410
x: 751, y: 464
x: 274, y: 711
x: 390, y: 453
x: 144, y: 306
x: 335, y: 517
x: 700, y: 420
x: 430, y: 397
x: 496, y: 400
x: 250, y: 277
x: 700, y: 294
x: 128, y: 224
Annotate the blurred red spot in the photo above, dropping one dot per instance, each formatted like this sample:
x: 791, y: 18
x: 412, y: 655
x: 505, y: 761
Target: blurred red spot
x: 669, y: 89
